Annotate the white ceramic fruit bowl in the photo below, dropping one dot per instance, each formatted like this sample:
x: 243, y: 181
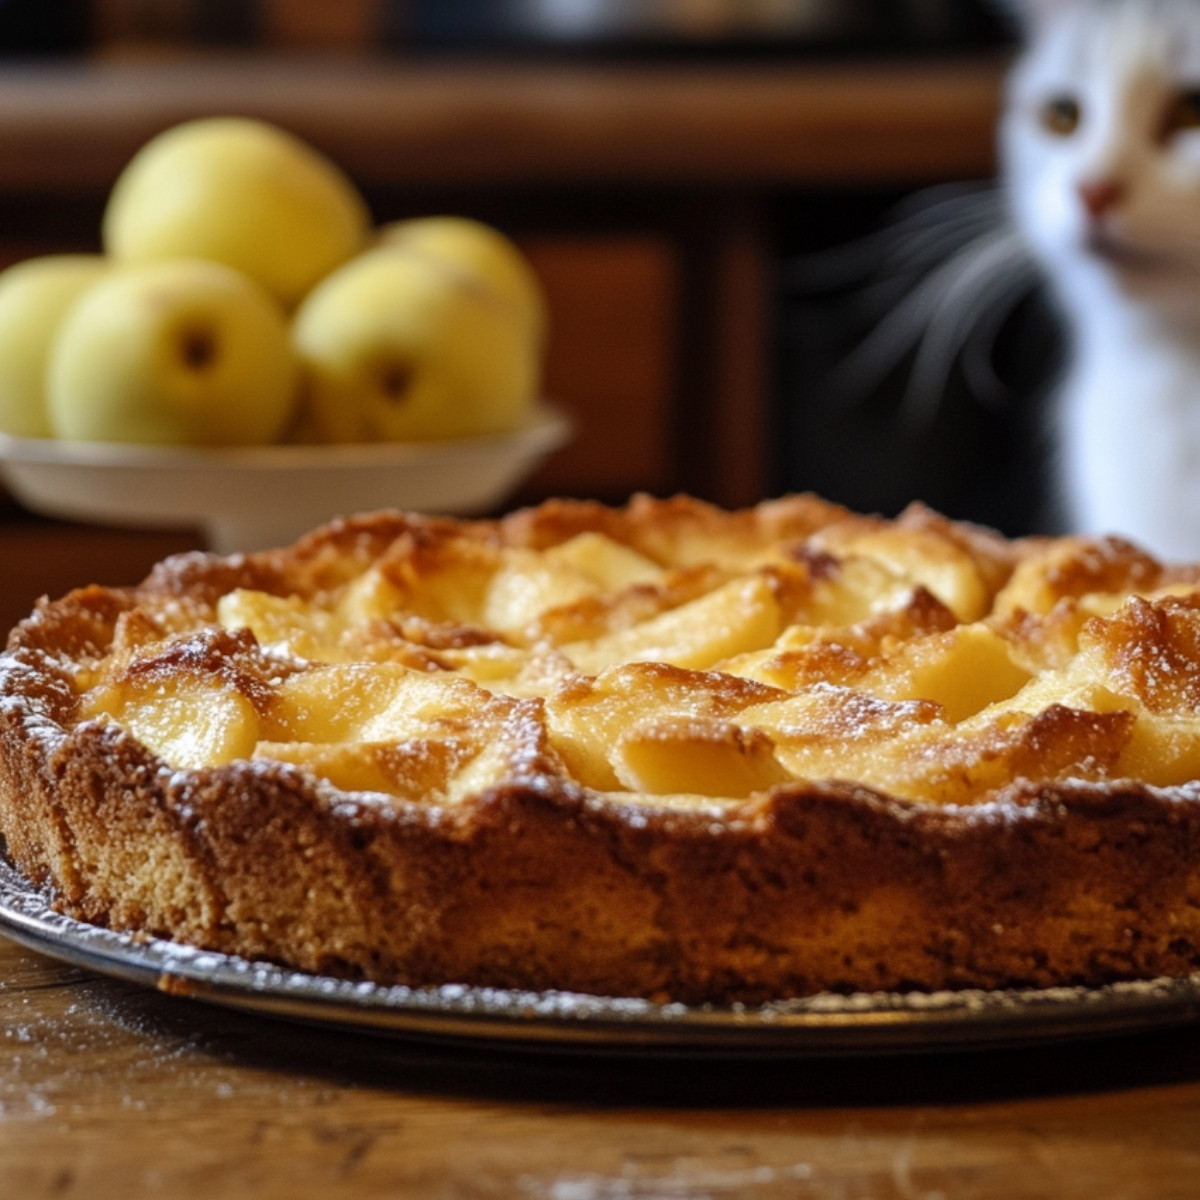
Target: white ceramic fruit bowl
x: 254, y: 498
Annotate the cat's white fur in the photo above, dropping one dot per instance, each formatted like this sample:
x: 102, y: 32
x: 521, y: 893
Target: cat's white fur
x: 1127, y: 275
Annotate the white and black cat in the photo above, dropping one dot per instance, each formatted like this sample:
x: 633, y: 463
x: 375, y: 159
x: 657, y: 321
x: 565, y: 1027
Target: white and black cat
x: 1099, y: 195
x: 1100, y: 143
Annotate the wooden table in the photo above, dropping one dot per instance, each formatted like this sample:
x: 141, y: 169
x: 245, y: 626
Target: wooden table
x: 109, y: 1090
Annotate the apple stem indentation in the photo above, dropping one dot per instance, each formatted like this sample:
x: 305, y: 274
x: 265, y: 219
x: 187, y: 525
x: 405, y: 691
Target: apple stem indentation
x: 199, y: 349
x: 395, y: 381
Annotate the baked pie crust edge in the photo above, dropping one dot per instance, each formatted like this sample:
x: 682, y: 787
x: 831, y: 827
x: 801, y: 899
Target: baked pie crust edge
x: 541, y: 883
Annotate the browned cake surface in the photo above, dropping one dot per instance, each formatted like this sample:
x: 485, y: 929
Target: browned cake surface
x: 665, y: 751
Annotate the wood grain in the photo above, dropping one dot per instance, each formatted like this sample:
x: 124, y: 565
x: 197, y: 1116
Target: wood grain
x: 112, y: 1091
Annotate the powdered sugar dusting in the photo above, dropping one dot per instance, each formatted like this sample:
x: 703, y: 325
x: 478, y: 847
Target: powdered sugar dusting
x: 20, y: 685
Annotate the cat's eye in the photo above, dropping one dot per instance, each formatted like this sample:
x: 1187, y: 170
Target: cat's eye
x: 1183, y: 113
x: 1060, y: 115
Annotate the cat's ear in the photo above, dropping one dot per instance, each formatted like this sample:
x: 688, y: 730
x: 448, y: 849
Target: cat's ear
x: 1028, y: 16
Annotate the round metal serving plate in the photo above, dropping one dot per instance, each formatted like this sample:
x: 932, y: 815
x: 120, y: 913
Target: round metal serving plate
x: 818, y: 1026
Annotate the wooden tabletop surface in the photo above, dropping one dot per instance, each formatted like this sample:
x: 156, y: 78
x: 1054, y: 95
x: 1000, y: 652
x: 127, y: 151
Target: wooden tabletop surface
x: 112, y: 1090
x: 109, y: 1090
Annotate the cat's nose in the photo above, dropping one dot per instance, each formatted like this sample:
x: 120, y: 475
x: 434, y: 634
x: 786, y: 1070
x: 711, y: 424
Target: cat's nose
x: 1101, y: 195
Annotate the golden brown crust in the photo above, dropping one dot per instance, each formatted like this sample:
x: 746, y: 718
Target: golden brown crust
x: 1026, y: 859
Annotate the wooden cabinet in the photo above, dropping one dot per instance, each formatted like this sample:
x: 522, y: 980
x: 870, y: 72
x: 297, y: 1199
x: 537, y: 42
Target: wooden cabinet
x: 611, y: 362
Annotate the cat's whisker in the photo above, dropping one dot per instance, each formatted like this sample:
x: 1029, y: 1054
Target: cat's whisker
x: 967, y: 340
x: 864, y: 369
x: 978, y: 351
x: 894, y: 291
x: 946, y: 226
x: 921, y: 236
x: 988, y: 280
x: 934, y: 319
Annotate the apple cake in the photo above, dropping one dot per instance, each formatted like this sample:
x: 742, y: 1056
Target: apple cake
x: 663, y: 750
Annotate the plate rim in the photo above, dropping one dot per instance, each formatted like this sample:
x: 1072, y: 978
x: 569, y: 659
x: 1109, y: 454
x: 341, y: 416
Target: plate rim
x: 546, y: 427
x: 814, y: 1027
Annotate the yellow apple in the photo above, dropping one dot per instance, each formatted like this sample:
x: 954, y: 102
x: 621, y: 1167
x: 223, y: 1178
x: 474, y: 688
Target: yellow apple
x: 34, y: 297
x: 241, y: 192
x: 179, y: 352
x: 481, y: 250
x: 397, y: 347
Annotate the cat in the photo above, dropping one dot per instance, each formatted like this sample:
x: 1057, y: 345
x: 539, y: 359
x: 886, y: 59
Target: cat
x: 1100, y: 153
x: 1098, y: 205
